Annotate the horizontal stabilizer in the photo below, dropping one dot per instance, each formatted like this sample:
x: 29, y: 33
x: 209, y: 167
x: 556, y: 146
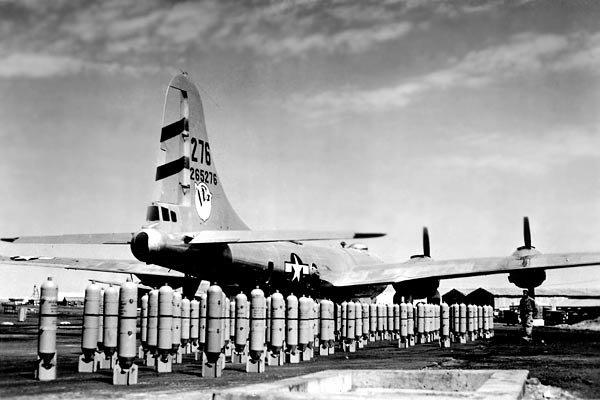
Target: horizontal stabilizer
x: 85, y: 238
x: 206, y: 237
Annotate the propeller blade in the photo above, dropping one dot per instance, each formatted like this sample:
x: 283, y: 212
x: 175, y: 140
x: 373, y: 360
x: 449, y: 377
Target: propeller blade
x: 526, y: 232
x: 426, y: 242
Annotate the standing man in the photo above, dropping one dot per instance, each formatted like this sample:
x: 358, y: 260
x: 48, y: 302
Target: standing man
x: 527, y: 311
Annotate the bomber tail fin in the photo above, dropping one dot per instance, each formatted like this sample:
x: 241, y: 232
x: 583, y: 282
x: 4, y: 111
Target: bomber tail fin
x: 189, y: 194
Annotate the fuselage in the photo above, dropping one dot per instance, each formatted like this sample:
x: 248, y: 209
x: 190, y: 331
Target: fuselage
x: 286, y: 266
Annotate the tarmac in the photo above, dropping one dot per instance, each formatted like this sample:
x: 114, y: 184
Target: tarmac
x: 566, y: 361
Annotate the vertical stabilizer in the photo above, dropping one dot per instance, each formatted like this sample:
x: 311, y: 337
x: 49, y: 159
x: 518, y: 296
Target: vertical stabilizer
x: 189, y: 193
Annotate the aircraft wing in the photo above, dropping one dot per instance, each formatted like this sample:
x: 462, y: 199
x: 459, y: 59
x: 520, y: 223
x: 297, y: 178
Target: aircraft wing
x: 90, y: 264
x: 246, y: 236
x: 426, y: 268
x: 90, y: 238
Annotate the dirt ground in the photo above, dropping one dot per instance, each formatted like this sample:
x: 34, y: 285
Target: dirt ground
x: 565, y: 359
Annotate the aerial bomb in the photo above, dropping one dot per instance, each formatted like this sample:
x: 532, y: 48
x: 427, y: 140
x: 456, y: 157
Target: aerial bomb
x: 258, y: 314
x: 445, y: 325
x: 455, y: 312
x: 365, y: 323
x: 276, y: 355
x: 213, y: 359
x: 338, y: 320
x: 389, y: 326
x: 471, y: 310
x: 350, y: 343
x: 344, y: 320
x: 359, y: 325
x: 396, y: 329
x: 241, y: 327
x: 176, y: 329
x: 305, y: 325
x: 372, y: 322
x: 89, y: 340
x: 421, y: 320
x: 101, y: 324
x: 185, y: 325
x: 381, y: 321
x: 152, y: 337
x: 125, y: 372
x: 410, y: 324
x: 46, y: 354
x: 462, y: 328
x: 316, y: 323
x: 480, y: 321
x: 164, y: 362
x: 403, y: 341
x: 203, y: 300
x: 194, y: 323
x: 291, y: 329
x: 143, y: 349
x: 111, y: 324
x: 326, y: 320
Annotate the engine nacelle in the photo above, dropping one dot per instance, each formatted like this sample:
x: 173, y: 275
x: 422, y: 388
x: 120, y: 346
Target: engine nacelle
x: 527, y: 279
x: 416, y: 289
x: 147, y: 243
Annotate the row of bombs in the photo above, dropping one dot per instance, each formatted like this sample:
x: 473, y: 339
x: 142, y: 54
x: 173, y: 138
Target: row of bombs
x: 259, y: 332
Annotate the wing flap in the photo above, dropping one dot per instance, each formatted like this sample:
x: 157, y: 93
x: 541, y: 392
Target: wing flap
x: 426, y: 268
x: 211, y: 237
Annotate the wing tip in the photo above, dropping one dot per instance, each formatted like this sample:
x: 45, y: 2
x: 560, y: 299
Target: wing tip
x: 9, y: 239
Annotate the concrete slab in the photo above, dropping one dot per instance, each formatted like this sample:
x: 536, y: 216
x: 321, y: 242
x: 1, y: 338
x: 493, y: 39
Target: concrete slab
x: 388, y: 384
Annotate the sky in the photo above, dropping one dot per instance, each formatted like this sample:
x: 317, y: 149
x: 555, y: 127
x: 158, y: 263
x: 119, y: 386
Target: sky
x: 381, y: 116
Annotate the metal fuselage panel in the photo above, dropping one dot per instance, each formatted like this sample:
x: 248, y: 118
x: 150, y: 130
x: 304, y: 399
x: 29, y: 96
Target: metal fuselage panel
x: 287, y: 266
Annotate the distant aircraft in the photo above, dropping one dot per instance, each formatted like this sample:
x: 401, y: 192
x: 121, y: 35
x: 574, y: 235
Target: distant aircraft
x: 192, y: 233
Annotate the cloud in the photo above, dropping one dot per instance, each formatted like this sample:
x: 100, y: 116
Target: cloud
x: 521, y: 56
x: 521, y: 152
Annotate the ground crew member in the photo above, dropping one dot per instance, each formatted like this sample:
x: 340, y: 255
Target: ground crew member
x: 527, y: 311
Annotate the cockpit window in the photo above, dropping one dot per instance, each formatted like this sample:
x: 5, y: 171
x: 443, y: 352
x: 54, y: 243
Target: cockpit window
x: 165, y: 214
x: 152, y: 213
x: 173, y: 216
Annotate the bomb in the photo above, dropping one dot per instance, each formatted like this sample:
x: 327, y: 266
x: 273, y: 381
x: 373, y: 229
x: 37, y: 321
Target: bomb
x: 194, y: 323
x: 203, y: 302
x: 241, y: 322
x: 276, y: 356
x: 445, y: 325
x: 305, y: 327
x: 403, y: 342
x: 176, y: 329
x: 410, y: 324
x: 359, y: 325
x: 125, y: 372
x: 143, y: 349
x: 185, y: 324
x: 421, y: 323
x: 462, y: 328
x: 164, y: 360
x: 291, y: 329
x: 152, y: 337
x: 396, y: 309
x: 89, y: 342
x: 326, y: 320
x: 372, y: 322
x: 213, y: 359
x: 111, y: 323
x: 46, y: 360
x: 258, y: 314
x: 365, y: 323
x: 344, y: 320
x: 350, y: 327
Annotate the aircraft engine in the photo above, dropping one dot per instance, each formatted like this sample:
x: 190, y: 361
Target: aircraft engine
x: 416, y: 289
x: 527, y: 279
x: 531, y: 278
x: 147, y: 243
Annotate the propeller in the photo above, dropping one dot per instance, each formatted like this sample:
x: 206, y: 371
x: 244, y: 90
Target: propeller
x: 526, y: 235
x: 426, y: 248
